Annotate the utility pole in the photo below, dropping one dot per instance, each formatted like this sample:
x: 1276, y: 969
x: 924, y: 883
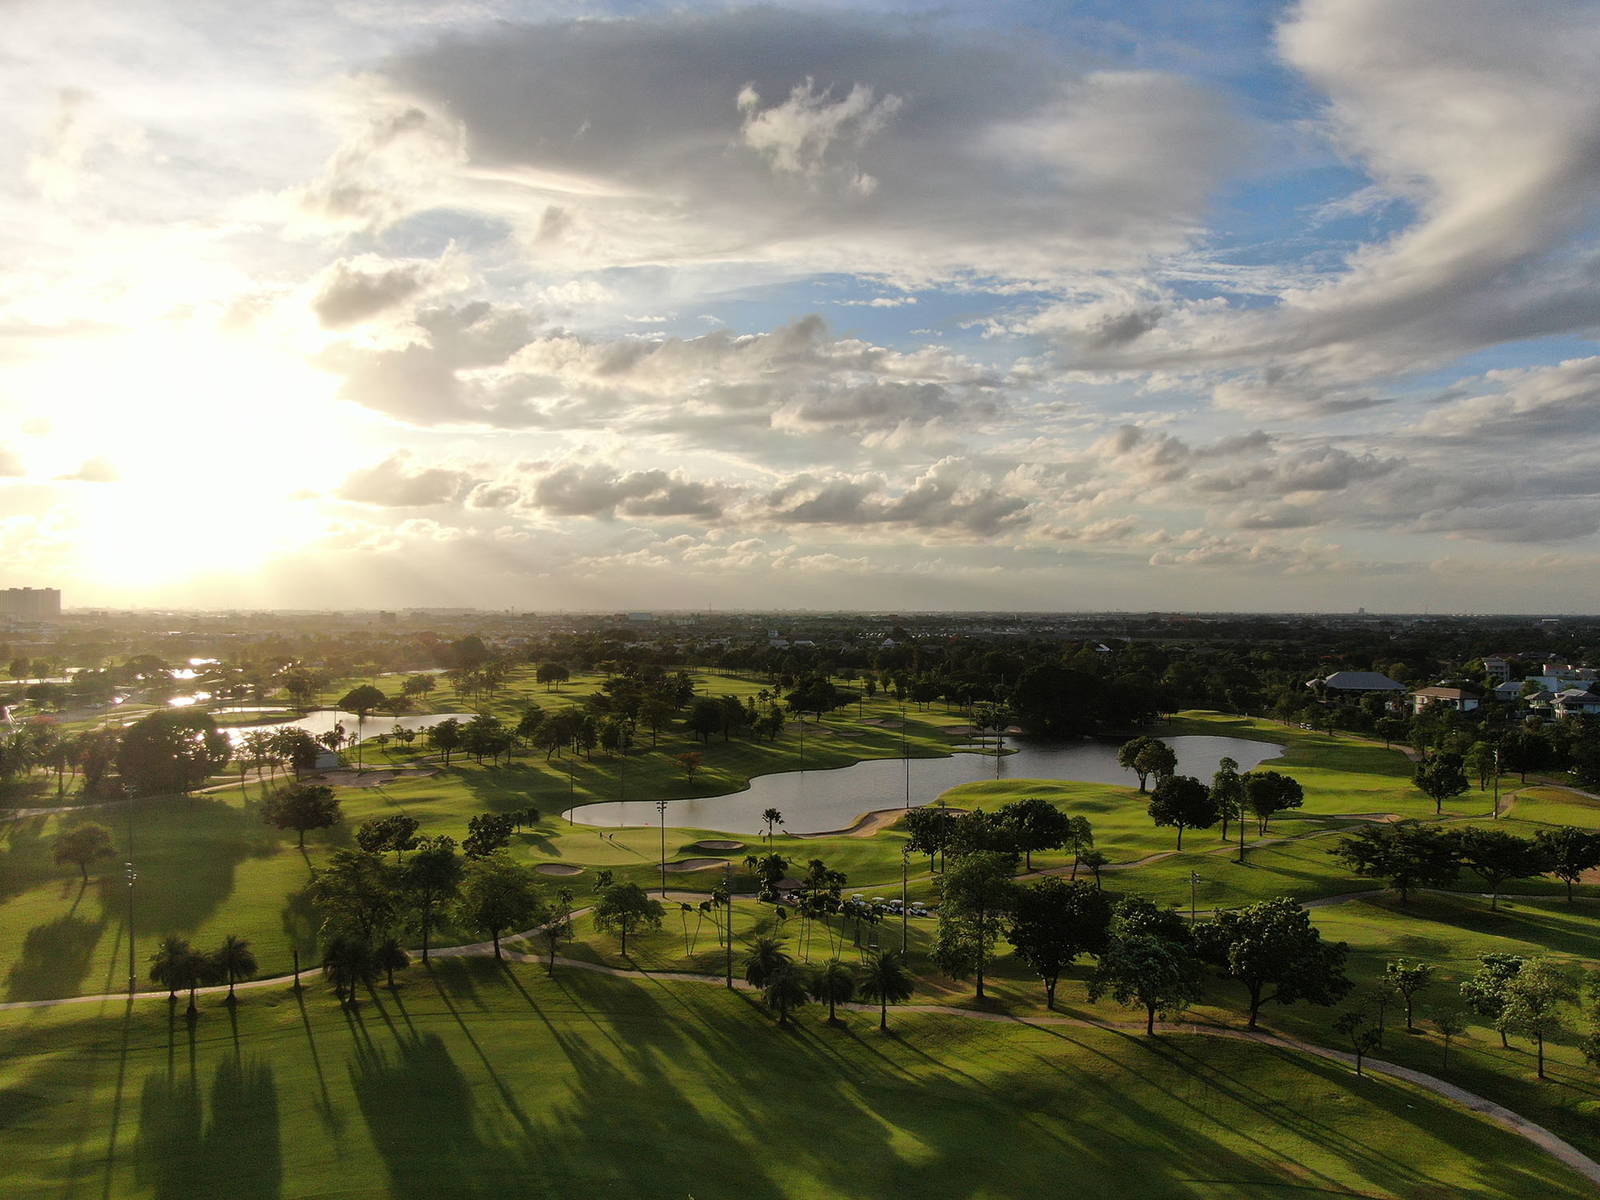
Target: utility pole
x: 905, y: 754
x: 1194, y: 878
x: 661, y: 807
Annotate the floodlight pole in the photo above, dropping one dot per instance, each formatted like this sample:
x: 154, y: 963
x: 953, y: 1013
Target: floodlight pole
x: 1497, y: 783
x: 905, y: 754
x: 133, y: 970
x: 661, y: 807
x: 905, y: 915
x: 727, y: 889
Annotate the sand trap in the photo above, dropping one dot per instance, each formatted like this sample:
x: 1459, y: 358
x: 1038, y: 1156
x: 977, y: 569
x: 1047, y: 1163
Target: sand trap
x: 718, y: 844
x: 372, y: 777
x: 882, y: 722
x: 557, y: 869
x: 696, y: 864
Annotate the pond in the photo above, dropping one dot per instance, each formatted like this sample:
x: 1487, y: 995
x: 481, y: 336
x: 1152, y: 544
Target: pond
x: 818, y: 801
x: 320, y: 722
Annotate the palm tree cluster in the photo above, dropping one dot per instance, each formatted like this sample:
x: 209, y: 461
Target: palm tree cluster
x: 785, y: 985
x: 178, y: 966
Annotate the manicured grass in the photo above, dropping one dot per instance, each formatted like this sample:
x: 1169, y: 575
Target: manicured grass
x: 475, y: 1082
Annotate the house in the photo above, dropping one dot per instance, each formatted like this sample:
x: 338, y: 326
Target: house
x: 1497, y: 668
x: 1348, y: 684
x: 1575, y: 702
x: 1448, y: 697
x: 1508, y: 692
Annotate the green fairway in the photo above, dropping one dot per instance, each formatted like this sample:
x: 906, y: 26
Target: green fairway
x: 479, y: 1082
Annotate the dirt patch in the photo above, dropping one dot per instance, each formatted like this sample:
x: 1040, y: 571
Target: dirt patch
x: 696, y: 864
x: 557, y: 869
x: 718, y: 844
x: 373, y: 778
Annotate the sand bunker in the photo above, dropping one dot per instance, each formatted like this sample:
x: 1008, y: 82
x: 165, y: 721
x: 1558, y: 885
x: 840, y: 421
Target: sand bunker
x: 696, y: 864
x: 718, y: 844
x: 557, y: 869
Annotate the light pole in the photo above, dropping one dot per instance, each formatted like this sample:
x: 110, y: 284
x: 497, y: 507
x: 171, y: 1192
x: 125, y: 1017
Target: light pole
x: 1497, y: 783
x: 905, y: 754
x: 133, y: 970
x: 905, y: 912
x: 727, y: 891
x: 661, y: 807
x: 1194, y: 878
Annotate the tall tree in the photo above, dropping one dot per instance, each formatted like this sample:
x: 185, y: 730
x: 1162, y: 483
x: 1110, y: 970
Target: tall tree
x: 886, y: 979
x: 302, y: 807
x: 1155, y: 758
x: 1409, y: 978
x: 1147, y: 972
x: 362, y: 701
x: 1269, y: 792
x: 233, y: 961
x: 1227, y: 789
x: 766, y: 956
x: 1497, y: 856
x: 430, y: 880
x: 83, y: 844
x: 1053, y: 922
x: 976, y: 898
x: 1033, y: 823
x: 1128, y: 758
x: 626, y: 908
x: 1184, y: 802
x: 1274, y: 945
x: 356, y: 893
x: 1533, y: 1000
x: 833, y: 983
x: 500, y: 894
x: 1404, y: 855
x: 1570, y: 852
x: 1485, y: 990
x: 769, y: 818
x: 347, y: 963
x: 171, y: 751
x: 445, y: 737
x: 396, y: 832
x: 487, y: 833
x: 1440, y: 777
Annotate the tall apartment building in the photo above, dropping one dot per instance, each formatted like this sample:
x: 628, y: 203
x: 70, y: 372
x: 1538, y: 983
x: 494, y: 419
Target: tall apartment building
x: 30, y: 604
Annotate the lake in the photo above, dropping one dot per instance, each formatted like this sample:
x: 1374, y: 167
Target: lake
x: 818, y: 801
x: 320, y: 722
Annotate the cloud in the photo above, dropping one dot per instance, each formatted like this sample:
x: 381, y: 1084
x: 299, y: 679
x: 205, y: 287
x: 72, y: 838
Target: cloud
x: 11, y: 464
x: 594, y: 490
x: 95, y: 470
x: 948, y: 497
x: 395, y: 483
x: 811, y: 140
x: 350, y: 291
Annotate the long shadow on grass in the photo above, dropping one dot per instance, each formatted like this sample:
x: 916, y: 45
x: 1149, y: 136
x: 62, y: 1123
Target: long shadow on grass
x: 55, y: 958
x: 180, y: 1155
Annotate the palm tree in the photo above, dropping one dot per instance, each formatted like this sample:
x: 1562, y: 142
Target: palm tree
x: 234, y: 960
x: 785, y: 989
x: 886, y: 979
x: 171, y: 965
x: 834, y: 982
x: 771, y: 817
x: 346, y: 962
x: 765, y: 958
x: 390, y: 957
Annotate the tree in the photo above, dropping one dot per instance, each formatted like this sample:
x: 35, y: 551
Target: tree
x: 347, y: 963
x: 1267, y: 792
x: 1227, y: 789
x: 1498, y: 856
x: 445, y: 737
x: 233, y: 960
x: 886, y: 979
x: 786, y: 989
x: 1357, y: 1029
x: 488, y: 832
x: 361, y: 701
x: 552, y: 674
x: 1053, y: 922
x: 626, y: 908
x: 390, y: 956
x: 833, y: 983
x: 766, y: 957
x: 1033, y: 823
x: 1057, y: 701
x: 1148, y: 972
x: 929, y: 829
x: 1408, y: 978
x: 1273, y: 944
x: 557, y: 927
x: 705, y: 718
x: 498, y: 895
x: 171, y: 751
x: 1095, y: 860
x: 1450, y: 1024
x: 769, y: 818
x: 430, y: 881
x: 1533, y: 1000
x: 689, y: 762
x: 176, y: 965
x: 1440, y: 776
x: 83, y: 844
x: 1184, y: 802
x: 1526, y: 751
x: 1155, y: 758
x: 355, y: 893
x: 1404, y: 855
x: 1570, y: 852
x: 302, y: 807
x: 395, y: 832
x: 1128, y: 757
x: 976, y: 897
x: 1485, y: 991
x: 1391, y: 730
x: 769, y: 870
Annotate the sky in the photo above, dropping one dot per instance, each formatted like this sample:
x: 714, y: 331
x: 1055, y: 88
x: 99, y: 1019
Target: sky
x: 1113, y: 304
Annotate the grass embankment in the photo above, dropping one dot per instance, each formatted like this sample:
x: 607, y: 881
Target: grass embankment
x: 475, y: 1082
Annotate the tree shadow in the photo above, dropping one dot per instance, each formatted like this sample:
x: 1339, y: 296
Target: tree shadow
x: 179, y: 1154
x: 55, y: 959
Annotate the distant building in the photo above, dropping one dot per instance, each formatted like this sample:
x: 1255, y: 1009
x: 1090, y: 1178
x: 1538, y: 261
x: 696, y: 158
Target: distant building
x: 1575, y: 702
x: 31, y: 604
x: 1447, y: 697
x: 1497, y: 669
x: 1358, y: 683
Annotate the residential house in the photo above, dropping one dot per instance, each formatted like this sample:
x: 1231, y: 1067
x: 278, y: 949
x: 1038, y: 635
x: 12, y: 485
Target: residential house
x: 1449, y: 697
x: 1345, y: 685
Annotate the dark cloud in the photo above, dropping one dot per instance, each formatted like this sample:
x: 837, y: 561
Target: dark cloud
x: 395, y: 483
x: 595, y: 490
x: 350, y: 293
